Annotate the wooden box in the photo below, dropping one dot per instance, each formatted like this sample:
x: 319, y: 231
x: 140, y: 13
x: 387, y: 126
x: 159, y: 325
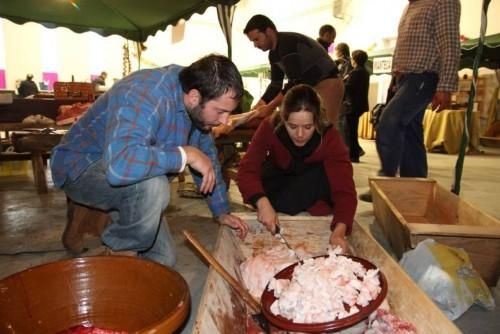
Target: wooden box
x: 83, y: 91
x: 410, y: 210
x: 221, y: 310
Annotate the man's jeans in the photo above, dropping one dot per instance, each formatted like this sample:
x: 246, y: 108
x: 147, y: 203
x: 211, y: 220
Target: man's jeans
x: 400, y: 134
x: 135, y: 210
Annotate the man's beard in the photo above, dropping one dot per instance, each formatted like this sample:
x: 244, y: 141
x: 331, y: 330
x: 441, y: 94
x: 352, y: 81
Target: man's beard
x: 197, y: 119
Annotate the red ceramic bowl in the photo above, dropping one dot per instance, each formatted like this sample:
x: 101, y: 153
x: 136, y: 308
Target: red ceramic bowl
x: 268, y: 299
x: 113, y: 292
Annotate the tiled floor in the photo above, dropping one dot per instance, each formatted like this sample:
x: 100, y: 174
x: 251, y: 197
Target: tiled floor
x: 31, y: 224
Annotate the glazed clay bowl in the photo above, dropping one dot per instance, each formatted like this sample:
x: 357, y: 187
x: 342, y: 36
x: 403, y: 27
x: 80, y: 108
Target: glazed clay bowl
x: 110, y: 292
x: 332, y: 326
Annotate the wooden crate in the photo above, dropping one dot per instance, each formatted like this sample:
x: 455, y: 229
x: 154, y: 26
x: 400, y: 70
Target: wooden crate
x: 410, y: 210
x: 83, y: 91
x: 221, y: 310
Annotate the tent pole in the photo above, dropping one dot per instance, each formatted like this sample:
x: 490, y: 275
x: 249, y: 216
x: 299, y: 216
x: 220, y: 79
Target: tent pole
x: 470, y: 104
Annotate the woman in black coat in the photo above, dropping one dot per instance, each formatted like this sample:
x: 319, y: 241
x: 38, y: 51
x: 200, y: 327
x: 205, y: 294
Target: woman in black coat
x: 356, y: 97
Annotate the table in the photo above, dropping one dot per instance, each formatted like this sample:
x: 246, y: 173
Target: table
x: 443, y: 131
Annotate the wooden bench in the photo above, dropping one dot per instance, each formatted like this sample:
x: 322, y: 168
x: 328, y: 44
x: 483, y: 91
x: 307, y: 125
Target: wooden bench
x: 37, y: 147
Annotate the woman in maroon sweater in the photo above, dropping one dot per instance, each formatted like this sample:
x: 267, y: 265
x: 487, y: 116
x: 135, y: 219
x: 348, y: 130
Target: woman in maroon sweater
x: 297, y: 162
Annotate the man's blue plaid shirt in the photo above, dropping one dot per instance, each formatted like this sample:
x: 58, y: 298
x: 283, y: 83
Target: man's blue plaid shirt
x: 137, y: 127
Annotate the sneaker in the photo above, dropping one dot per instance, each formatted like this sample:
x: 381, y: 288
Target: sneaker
x: 366, y: 197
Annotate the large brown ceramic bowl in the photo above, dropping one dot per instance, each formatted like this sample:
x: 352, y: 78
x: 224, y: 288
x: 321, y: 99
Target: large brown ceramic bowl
x: 268, y: 299
x: 113, y: 292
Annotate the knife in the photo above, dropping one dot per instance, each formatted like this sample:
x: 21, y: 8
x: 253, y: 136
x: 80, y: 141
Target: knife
x: 277, y: 232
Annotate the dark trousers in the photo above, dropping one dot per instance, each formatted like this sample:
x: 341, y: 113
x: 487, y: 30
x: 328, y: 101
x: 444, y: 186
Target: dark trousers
x: 351, y: 129
x: 294, y: 192
x: 400, y: 134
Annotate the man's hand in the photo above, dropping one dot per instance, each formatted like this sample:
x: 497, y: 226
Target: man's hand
x: 200, y: 162
x: 222, y: 129
x: 441, y: 101
x: 234, y: 222
x: 260, y: 112
x: 266, y: 214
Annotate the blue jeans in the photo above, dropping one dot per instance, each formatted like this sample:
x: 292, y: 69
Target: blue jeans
x: 135, y: 211
x: 400, y: 134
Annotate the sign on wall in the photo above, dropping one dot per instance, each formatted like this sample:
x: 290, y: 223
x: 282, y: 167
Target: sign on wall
x: 382, y: 65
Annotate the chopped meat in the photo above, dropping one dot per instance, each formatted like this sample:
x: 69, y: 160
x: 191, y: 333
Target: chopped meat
x: 258, y: 270
x: 384, y: 322
x: 320, y: 288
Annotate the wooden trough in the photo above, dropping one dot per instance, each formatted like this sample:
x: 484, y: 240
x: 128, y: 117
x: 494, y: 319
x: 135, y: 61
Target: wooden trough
x: 221, y: 310
x: 410, y: 210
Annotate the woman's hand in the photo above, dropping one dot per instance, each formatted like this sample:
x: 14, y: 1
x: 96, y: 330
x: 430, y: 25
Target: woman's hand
x: 337, y: 238
x: 234, y: 222
x: 340, y: 242
x: 266, y: 214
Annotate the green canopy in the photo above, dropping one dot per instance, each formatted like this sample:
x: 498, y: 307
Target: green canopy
x: 490, y: 55
x: 133, y: 19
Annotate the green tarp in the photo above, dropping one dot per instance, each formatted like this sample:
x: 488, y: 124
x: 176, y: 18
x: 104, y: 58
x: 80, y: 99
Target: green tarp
x: 490, y: 57
x: 133, y: 19
x: 491, y: 52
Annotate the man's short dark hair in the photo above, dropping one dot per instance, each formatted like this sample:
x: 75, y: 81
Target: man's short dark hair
x: 360, y: 57
x: 213, y: 76
x: 326, y: 28
x: 260, y: 22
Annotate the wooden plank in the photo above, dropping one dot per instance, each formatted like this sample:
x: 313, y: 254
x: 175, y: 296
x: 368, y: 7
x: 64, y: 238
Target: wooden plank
x: 8, y: 156
x: 221, y: 309
x: 410, y: 196
x: 216, y: 313
x: 490, y: 232
x: 390, y: 220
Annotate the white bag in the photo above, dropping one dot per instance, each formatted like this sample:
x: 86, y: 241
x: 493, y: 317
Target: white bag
x: 446, y: 275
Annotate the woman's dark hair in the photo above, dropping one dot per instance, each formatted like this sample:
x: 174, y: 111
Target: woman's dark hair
x: 302, y: 98
x: 260, y: 22
x: 360, y: 57
x: 344, y: 49
x: 213, y: 76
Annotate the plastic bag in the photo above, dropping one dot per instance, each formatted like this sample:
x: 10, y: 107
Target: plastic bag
x: 446, y: 275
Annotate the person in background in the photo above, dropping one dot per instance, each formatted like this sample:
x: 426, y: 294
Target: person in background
x: 356, y: 101
x: 301, y: 59
x: 425, y: 66
x: 100, y: 81
x: 27, y: 87
x: 298, y: 162
x: 343, y: 60
x: 326, y: 36
x: 121, y: 155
